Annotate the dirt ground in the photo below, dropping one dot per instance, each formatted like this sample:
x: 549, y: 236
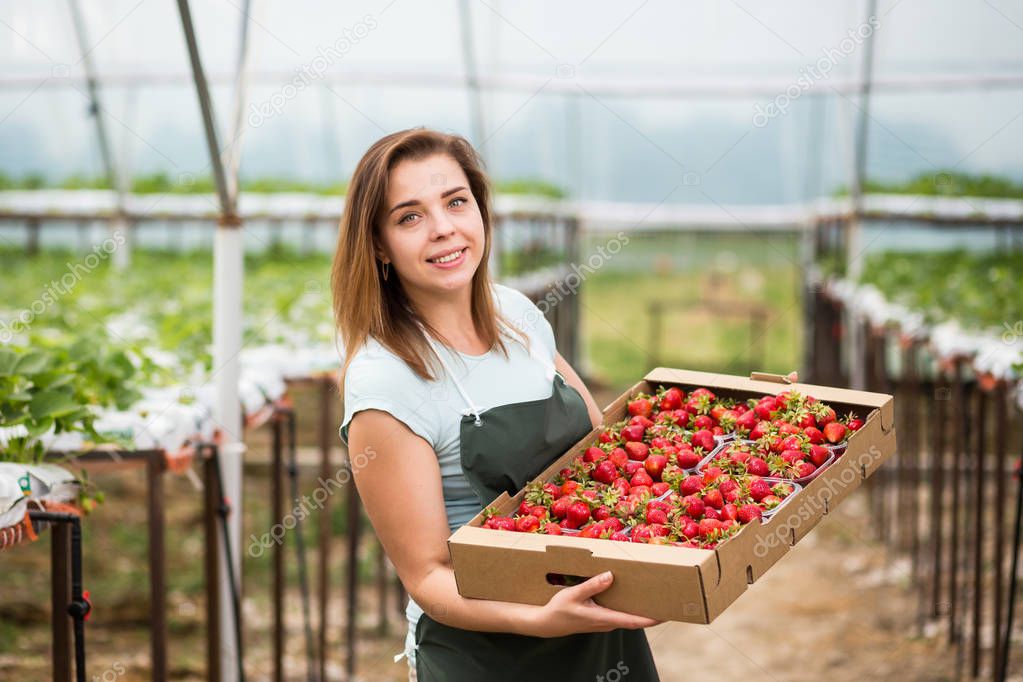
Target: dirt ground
x: 835, y: 607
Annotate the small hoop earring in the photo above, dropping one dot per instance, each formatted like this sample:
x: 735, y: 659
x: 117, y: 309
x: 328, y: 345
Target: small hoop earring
x: 387, y: 270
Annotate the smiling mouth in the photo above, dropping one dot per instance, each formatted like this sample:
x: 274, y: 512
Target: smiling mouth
x: 448, y: 258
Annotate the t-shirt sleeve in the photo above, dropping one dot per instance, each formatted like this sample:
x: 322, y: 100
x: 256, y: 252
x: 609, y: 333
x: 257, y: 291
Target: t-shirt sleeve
x: 378, y: 382
x: 528, y: 317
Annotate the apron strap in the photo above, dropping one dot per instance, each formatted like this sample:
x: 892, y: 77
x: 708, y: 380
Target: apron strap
x: 474, y: 410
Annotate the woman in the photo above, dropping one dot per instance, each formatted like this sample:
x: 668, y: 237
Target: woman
x: 453, y: 392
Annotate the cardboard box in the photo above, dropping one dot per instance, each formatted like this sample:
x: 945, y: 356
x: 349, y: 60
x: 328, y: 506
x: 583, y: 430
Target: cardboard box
x: 692, y: 585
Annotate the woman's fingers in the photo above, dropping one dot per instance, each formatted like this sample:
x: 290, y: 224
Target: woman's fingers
x: 620, y: 619
x: 594, y: 585
x: 793, y: 377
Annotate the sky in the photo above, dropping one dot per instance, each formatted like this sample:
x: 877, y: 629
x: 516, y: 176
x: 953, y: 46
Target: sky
x: 560, y: 125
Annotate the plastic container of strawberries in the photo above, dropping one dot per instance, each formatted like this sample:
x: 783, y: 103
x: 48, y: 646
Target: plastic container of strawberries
x: 803, y: 480
x: 768, y: 514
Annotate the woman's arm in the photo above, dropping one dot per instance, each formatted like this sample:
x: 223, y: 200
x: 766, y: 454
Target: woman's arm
x: 596, y: 416
x: 400, y: 485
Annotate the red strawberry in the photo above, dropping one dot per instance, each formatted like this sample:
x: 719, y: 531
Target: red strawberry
x: 672, y: 399
x: 578, y: 514
x: 748, y: 512
x: 637, y: 451
x: 708, y: 526
x: 819, y: 454
x: 619, y: 457
x: 552, y: 529
x: 527, y: 524
x: 711, y: 474
x: 607, y: 436
x: 826, y: 416
x: 711, y: 513
x: 691, y: 529
x: 601, y: 513
x: 660, y: 442
x: 640, y: 420
x: 594, y: 455
x: 759, y: 489
x: 704, y: 439
x: 569, y: 487
x: 640, y: 492
x: 729, y: 511
x: 654, y: 465
x: 791, y: 443
x: 805, y: 469
x: 853, y: 422
x: 757, y: 466
x: 691, y: 485
x: 835, y: 432
x: 713, y: 498
x: 560, y: 507
x: 814, y: 435
x: 703, y: 421
x: 760, y: 429
x: 503, y: 523
x: 641, y: 478
x: 687, y: 459
x: 640, y: 533
x: 631, y: 467
x: 792, y: 456
x: 693, y: 505
x: 641, y: 407
x: 633, y: 432
x: 746, y: 421
x: 656, y: 516
x: 605, y: 472
x: 659, y: 488
x: 770, y: 501
x: 621, y: 486
x: 619, y: 536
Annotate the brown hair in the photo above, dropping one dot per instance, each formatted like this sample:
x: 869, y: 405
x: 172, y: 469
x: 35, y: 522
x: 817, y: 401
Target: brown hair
x: 365, y: 304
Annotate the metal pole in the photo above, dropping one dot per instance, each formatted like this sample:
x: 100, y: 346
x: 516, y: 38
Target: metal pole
x: 122, y: 255
x: 326, y: 436
x: 854, y: 264
x: 472, y: 79
x: 211, y: 568
x: 1001, y: 443
x: 60, y: 597
x: 978, y: 533
x: 312, y: 670
x: 227, y: 335
x: 157, y: 586
x: 276, y: 516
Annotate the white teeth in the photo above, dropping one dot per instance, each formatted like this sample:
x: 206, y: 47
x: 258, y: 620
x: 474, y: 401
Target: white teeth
x: 448, y: 258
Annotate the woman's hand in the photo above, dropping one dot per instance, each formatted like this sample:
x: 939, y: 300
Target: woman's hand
x: 793, y: 377
x: 572, y: 610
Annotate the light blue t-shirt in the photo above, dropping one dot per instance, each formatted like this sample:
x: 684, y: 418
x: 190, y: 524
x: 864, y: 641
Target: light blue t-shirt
x: 378, y: 379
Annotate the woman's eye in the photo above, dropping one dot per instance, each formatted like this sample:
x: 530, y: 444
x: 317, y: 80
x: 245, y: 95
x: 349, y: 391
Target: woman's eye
x: 405, y: 218
x: 462, y: 199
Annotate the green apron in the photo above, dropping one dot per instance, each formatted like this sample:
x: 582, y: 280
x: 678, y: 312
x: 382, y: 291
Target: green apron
x: 503, y: 448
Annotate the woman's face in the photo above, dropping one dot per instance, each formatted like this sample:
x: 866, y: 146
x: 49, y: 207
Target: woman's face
x: 432, y: 231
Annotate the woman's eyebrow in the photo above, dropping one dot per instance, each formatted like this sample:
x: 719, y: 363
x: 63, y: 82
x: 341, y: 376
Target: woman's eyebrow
x: 413, y: 202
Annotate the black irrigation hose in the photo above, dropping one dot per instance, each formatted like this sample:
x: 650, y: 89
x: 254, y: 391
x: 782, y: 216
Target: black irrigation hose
x: 1003, y: 669
x: 79, y: 607
x: 223, y: 511
x: 311, y: 669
